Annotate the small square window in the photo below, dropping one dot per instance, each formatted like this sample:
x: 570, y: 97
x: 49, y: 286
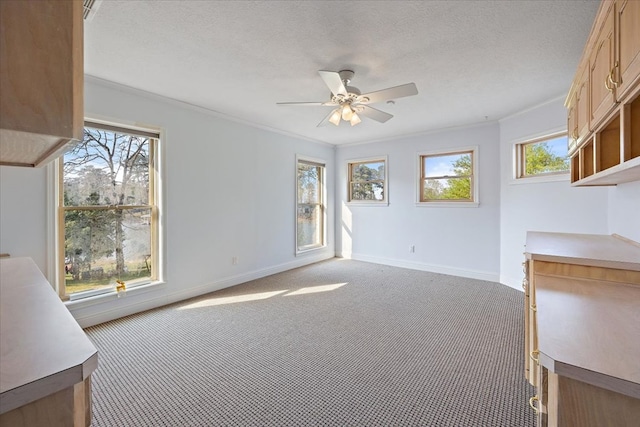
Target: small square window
x: 367, y: 181
x: 542, y: 157
x: 448, y: 177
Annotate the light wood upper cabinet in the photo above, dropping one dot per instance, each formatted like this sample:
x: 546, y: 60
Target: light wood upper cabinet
x: 578, y: 117
x: 602, y: 64
x: 628, y: 46
x: 41, y: 79
x: 582, y: 104
x: 604, y: 103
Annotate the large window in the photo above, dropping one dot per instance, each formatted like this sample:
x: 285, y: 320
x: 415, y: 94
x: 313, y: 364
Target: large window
x: 310, y: 208
x: 368, y: 181
x: 108, y: 219
x: 448, y: 177
x: 542, y: 157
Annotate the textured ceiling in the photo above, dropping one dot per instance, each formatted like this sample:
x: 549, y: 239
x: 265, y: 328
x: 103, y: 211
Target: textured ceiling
x: 471, y: 60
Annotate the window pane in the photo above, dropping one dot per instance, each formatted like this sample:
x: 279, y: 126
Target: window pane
x: 309, y: 226
x: 308, y: 183
x: 546, y: 157
x: 447, y: 165
x: 107, y: 168
x: 105, y: 245
x: 367, y: 171
x: 447, y: 189
x: 367, y: 191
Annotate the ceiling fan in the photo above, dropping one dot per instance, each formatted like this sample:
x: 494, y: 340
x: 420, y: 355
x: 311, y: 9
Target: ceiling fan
x: 350, y: 103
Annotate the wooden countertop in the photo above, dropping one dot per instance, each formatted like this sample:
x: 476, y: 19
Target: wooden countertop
x: 42, y: 348
x: 596, y: 250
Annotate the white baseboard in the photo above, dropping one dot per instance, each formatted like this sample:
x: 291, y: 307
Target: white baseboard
x: 112, y: 308
x: 248, y: 276
x: 512, y: 282
x: 434, y: 268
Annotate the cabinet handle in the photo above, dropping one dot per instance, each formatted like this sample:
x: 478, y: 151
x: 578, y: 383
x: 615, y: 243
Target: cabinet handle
x: 612, y: 79
x: 606, y: 84
x: 533, y: 402
x: 535, y: 356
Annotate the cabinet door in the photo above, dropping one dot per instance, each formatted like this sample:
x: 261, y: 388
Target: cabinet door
x: 572, y: 126
x: 525, y: 286
x: 41, y: 79
x: 582, y: 104
x: 601, y: 88
x: 628, y: 45
x: 533, y: 326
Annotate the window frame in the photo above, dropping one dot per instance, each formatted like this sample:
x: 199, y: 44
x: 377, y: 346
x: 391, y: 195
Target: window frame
x: 299, y: 250
x: 519, y: 167
x: 474, y: 202
x: 385, y: 180
x: 154, y: 204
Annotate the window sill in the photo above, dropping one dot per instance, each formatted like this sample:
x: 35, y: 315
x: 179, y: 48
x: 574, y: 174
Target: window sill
x: 112, y: 295
x: 366, y: 203
x: 447, y: 204
x: 310, y: 250
x: 543, y: 178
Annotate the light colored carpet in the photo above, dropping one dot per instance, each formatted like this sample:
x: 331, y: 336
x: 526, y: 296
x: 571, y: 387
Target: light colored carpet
x: 337, y: 343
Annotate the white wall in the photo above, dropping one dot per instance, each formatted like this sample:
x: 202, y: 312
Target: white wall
x: 541, y: 206
x: 454, y: 240
x: 229, y: 190
x: 624, y: 210
x: 23, y: 223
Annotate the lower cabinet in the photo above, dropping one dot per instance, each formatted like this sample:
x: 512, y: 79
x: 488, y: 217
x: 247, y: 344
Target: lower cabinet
x: 564, y: 401
x: 582, y: 329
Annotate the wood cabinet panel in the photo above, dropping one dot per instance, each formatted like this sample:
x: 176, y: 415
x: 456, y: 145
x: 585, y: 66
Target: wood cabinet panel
x: 41, y: 79
x: 601, y: 65
x: 628, y: 46
x: 578, y: 404
x: 582, y: 104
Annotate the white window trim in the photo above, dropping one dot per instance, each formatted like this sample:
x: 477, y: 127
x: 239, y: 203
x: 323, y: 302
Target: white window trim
x: 515, y: 160
x: 53, y: 266
x: 299, y: 252
x: 384, y: 202
x: 446, y: 204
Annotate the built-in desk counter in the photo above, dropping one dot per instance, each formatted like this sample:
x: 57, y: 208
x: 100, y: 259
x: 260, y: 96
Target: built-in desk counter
x: 582, y: 305
x: 46, y: 359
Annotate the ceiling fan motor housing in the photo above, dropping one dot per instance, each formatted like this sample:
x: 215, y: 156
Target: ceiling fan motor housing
x: 346, y: 76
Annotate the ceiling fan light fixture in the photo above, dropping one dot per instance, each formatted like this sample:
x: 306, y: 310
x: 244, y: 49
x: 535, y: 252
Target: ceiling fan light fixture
x: 349, y: 103
x: 335, y: 117
x: 347, y: 113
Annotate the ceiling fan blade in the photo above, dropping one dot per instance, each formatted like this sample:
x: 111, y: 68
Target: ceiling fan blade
x: 390, y: 93
x: 372, y: 113
x: 325, y: 121
x: 333, y: 82
x: 303, y: 104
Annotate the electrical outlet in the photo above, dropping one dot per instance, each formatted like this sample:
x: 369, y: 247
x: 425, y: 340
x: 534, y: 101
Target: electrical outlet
x: 412, y: 249
x: 234, y: 260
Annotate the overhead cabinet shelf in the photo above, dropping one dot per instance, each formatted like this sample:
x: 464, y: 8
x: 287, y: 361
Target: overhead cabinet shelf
x: 604, y: 100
